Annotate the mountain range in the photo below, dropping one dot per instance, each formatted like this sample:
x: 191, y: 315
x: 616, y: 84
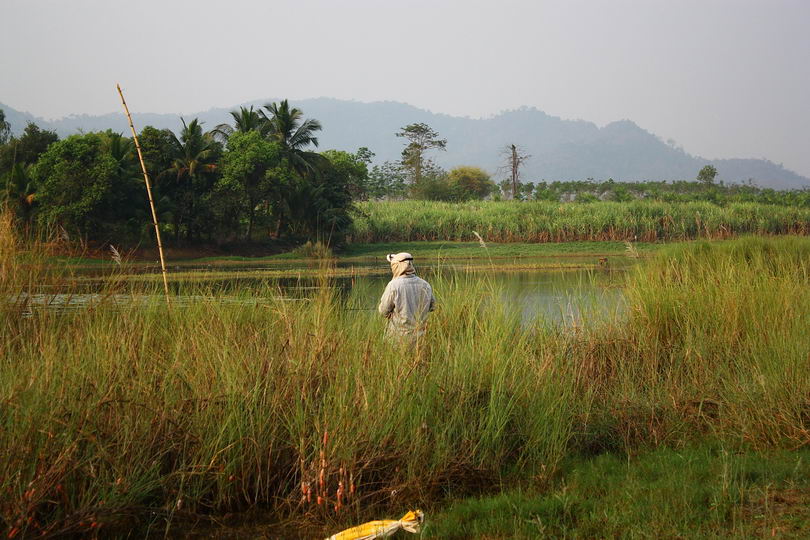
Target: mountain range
x: 559, y: 149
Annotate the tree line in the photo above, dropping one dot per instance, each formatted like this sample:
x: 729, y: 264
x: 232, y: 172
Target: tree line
x: 224, y: 185
x: 256, y: 178
x: 417, y: 176
x: 590, y: 190
x: 260, y: 177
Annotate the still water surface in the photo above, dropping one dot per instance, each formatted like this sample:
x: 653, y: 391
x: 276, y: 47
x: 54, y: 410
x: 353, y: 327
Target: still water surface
x: 553, y: 296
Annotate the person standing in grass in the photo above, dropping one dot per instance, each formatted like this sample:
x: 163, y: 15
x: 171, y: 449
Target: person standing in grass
x: 406, y: 301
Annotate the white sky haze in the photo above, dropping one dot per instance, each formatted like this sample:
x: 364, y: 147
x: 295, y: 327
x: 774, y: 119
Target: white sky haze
x: 723, y: 78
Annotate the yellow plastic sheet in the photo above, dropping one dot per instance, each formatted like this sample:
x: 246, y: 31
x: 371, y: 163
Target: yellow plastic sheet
x: 384, y: 528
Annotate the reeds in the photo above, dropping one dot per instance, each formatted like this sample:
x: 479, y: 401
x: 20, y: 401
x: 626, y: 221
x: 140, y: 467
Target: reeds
x: 543, y: 221
x: 301, y: 407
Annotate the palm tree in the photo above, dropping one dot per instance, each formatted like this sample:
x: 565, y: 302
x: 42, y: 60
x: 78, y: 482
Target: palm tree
x: 20, y: 191
x: 194, y: 158
x: 285, y: 126
x: 244, y: 120
x: 122, y: 150
x: 126, y: 196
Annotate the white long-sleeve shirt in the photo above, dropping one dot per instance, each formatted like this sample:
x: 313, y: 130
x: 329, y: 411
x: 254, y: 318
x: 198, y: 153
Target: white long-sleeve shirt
x: 407, y: 300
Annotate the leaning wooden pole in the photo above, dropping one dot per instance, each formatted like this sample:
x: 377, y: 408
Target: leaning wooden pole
x: 149, y: 192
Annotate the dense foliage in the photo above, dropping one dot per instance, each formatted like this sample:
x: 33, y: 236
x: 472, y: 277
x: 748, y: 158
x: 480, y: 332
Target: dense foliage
x: 257, y: 179
x: 89, y: 183
x: 260, y: 179
x: 681, y: 191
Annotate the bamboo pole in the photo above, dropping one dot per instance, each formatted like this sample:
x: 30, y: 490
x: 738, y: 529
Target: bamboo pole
x: 149, y: 192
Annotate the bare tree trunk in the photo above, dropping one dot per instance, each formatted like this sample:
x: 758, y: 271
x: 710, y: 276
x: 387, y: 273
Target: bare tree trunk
x: 514, y: 172
x: 513, y: 158
x: 251, y: 216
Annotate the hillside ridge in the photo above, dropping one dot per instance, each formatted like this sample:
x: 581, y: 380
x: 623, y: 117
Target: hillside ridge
x: 560, y: 149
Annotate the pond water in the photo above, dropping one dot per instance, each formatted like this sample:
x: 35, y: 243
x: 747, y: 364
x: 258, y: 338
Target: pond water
x: 554, y: 296
x: 551, y: 294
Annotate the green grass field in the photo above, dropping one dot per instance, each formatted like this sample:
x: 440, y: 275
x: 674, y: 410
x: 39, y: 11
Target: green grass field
x: 464, y: 250
x: 543, y: 221
x: 690, y: 492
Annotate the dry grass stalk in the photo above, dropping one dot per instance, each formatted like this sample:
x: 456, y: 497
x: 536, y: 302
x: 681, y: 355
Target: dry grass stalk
x: 149, y: 193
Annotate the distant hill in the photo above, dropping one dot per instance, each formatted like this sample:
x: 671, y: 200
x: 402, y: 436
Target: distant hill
x: 560, y: 149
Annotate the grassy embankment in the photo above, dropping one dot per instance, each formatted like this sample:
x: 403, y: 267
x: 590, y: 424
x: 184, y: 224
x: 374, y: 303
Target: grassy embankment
x: 526, y: 229
x: 428, y: 259
x: 369, y: 259
x: 114, y: 417
x: 364, y: 253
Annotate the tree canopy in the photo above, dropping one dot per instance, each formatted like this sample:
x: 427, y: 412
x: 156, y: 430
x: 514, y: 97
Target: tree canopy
x: 707, y: 174
x: 88, y: 185
x: 288, y: 127
x: 470, y: 183
x: 421, y: 138
x: 252, y: 173
x: 5, y: 128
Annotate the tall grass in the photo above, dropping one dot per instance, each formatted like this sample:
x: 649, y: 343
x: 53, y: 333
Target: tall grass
x: 543, y: 221
x: 727, y: 323
x: 23, y: 268
x: 302, y: 408
x: 215, y: 408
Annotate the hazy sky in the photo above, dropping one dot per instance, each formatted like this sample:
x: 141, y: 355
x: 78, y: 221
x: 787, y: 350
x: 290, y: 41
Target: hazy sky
x: 723, y: 78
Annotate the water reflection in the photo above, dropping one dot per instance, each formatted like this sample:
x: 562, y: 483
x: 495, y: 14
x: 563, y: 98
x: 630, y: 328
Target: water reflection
x: 570, y: 297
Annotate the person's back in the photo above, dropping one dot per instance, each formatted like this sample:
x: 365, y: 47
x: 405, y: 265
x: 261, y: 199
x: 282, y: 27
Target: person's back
x: 407, y: 299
